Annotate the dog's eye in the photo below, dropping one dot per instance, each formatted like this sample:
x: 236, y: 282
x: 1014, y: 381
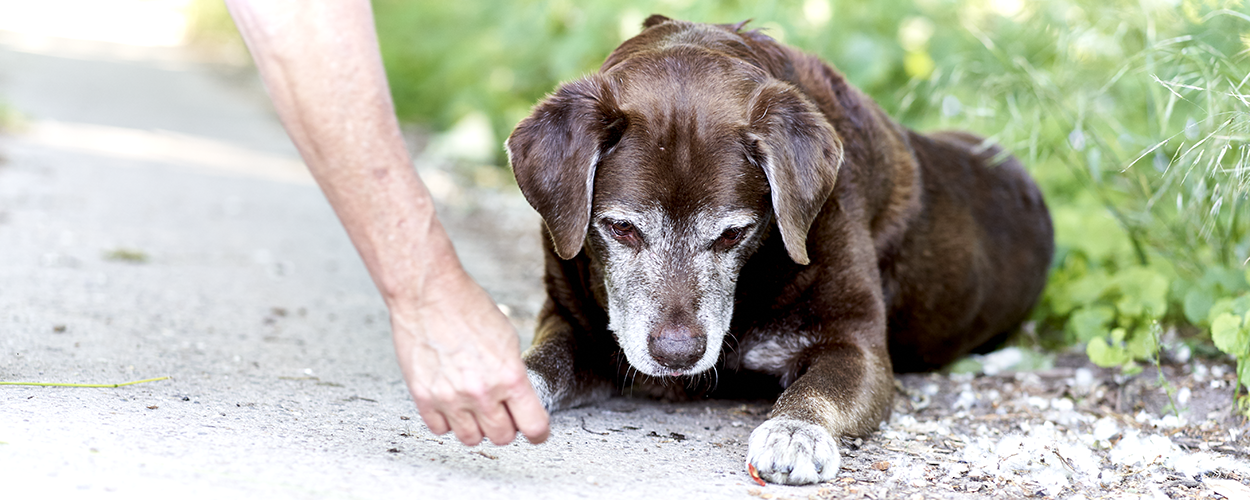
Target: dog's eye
x: 730, y: 237
x: 621, y: 229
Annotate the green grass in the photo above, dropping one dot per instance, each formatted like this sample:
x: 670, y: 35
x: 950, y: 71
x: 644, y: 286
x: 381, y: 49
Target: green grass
x: 10, y: 120
x: 127, y: 255
x: 1134, y: 116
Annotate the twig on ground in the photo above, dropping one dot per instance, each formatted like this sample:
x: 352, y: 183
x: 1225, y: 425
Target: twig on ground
x: 590, y: 431
x: 57, y: 384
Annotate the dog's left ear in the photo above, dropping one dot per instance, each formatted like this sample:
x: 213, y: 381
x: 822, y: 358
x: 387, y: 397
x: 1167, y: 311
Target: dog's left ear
x: 655, y: 19
x: 800, y: 154
x: 554, y: 153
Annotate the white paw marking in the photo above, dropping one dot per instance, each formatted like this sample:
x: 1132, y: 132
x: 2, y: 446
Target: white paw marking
x: 541, y: 388
x: 789, y: 451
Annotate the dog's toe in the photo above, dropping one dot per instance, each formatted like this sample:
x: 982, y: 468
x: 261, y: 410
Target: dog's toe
x: 789, y: 451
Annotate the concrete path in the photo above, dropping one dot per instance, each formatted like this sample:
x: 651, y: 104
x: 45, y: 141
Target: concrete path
x: 155, y: 221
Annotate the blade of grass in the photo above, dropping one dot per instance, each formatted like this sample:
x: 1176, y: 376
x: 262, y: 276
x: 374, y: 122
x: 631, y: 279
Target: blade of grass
x: 58, y: 384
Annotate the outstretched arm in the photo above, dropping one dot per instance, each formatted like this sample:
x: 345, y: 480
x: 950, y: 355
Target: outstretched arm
x: 459, y: 354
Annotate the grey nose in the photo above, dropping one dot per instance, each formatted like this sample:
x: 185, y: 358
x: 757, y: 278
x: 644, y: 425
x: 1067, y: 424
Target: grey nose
x: 676, y: 346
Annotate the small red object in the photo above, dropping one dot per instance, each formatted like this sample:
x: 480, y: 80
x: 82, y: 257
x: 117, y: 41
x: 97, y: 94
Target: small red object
x: 755, y: 474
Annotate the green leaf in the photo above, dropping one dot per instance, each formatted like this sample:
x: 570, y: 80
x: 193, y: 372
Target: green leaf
x: 1241, y: 305
x: 1155, y: 294
x: 1229, y: 281
x: 1142, y: 291
x: 1130, y: 306
x: 1118, y: 335
x: 1220, y: 307
x: 1229, y: 335
x: 1104, y: 354
x: 966, y: 365
x: 1094, y: 233
x: 1142, y: 344
x: 1197, y: 304
x: 1088, y: 288
x: 1090, y: 322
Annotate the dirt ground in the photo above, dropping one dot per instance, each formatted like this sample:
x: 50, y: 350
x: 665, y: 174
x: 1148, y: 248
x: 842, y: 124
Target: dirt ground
x: 155, y: 222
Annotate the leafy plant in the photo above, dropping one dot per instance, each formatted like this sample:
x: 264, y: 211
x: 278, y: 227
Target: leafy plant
x: 1135, y: 118
x: 449, y: 60
x: 1230, y: 330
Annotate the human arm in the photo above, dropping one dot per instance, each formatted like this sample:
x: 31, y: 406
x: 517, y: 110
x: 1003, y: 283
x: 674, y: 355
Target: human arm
x: 459, y: 354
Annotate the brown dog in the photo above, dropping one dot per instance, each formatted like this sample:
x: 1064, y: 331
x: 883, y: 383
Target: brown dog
x: 712, y: 187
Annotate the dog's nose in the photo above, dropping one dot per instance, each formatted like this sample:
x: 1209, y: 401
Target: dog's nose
x: 676, y: 346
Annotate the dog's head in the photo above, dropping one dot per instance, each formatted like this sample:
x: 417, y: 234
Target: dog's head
x: 668, y: 167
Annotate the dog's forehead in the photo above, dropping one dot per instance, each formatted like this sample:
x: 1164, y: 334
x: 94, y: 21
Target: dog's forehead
x: 664, y: 86
x: 682, y: 174
x: 683, y: 148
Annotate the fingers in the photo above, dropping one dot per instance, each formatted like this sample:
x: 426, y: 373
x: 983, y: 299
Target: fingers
x: 435, y: 421
x: 491, y: 406
x: 474, y: 414
x: 470, y: 428
x: 445, y: 410
x: 497, y: 424
x: 464, y: 425
x: 529, y: 416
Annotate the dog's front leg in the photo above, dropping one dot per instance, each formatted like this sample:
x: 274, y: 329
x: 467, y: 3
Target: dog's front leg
x: 845, y: 391
x: 561, y: 364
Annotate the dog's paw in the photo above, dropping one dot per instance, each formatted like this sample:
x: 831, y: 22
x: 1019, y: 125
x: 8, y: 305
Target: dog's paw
x: 542, y: 388
x: 789, y: 451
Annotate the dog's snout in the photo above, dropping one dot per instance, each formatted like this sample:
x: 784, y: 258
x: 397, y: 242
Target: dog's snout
x: 676, y: 346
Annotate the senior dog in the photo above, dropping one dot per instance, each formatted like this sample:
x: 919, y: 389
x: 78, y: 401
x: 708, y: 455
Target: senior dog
x: 716, y: 202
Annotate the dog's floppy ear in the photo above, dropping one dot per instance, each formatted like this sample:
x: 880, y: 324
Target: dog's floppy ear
x: 554, y: 153
x: 655, y: 19
x: 800, y: 154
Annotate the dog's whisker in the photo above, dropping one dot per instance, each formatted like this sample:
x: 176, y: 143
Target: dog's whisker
x: 729, y: 344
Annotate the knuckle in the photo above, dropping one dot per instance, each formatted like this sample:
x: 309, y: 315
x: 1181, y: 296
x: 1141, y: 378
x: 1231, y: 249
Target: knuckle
x: 514, y: 377
x: 442, y: 396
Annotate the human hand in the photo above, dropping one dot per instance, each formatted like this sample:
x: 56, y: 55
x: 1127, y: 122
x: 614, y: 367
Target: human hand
x: 461, y: 360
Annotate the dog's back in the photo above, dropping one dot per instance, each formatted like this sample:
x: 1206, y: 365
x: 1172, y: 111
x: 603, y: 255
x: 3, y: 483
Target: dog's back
x: 987, y: 219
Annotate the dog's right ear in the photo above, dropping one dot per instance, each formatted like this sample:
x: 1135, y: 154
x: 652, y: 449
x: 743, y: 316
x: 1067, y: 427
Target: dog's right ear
x: 554, y: 153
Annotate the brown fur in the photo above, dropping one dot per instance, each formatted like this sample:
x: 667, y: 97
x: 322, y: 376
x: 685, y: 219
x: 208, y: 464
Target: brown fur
x: 890, y: 250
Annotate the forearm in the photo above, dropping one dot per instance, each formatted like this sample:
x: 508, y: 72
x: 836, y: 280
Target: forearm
x: 457, y: 352
x: 322, y: 68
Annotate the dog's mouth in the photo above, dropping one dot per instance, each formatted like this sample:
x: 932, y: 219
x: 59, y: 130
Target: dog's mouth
x: 690, y: 364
